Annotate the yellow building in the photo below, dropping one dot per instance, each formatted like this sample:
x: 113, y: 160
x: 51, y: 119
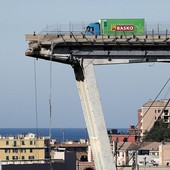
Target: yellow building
x: 23, y: 147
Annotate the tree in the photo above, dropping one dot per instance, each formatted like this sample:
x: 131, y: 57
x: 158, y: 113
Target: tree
x: 159, y: 132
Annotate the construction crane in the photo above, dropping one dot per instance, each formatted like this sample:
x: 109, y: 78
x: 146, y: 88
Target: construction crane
x: 82, y: 52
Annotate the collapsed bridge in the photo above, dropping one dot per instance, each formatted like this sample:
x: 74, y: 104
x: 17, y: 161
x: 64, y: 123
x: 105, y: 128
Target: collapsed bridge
x: 82, y: 52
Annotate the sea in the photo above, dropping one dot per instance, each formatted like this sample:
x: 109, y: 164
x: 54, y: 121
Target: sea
x: 58, y: 134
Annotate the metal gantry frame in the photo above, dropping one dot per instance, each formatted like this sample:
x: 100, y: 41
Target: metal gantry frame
x: 82, y: 53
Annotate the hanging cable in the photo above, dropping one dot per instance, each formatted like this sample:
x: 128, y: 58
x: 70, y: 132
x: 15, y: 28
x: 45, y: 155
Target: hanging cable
x: 143, y: 117
x: 36, y: 104
x: 156, y: 97
x: 50, y: 109
x: 158, y: 116
x: 50, y: 98
x: 147, y: 109
x: 168, y: 90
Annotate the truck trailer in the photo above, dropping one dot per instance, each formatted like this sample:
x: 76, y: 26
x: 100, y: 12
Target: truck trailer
x: 116, y: 27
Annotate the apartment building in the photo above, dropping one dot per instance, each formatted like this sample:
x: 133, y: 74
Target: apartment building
x: 151, y: 112
x: 22, y: 147
x: 164, y: 153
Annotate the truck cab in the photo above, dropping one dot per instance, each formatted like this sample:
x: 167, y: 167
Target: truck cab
x: 93, y: 29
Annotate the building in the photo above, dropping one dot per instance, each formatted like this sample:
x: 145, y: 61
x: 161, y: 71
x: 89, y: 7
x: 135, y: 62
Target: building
x: 68, y: 163
x: 164, y: 154
x: 80, y: 148
x: 123, y: 138
x: 85, y: 166
x: 151, y: 112
x: 148, y: 153
x: 22, y: 148
x: 131, y: 136
x: 29, y: 152
x: 125, y: 152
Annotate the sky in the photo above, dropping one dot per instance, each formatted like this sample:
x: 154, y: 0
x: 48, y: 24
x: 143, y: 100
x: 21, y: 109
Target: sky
x: 123, y: 88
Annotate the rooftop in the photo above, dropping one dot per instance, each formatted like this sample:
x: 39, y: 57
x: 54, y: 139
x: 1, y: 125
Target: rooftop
x: 159, y: 103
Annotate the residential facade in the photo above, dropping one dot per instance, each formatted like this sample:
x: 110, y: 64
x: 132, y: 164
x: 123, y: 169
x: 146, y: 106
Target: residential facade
x: 124, y: 154
x: 148, y: 154
x: 164, y: 154
x: 123, y: 138
x: 132, y: 135
x: 151, y: 112
x: 23, y: 147
x: 80, y: 148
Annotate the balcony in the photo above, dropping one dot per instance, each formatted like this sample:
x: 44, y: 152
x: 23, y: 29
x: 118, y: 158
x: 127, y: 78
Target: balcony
x: 166, y: 121
x: 166, y: 113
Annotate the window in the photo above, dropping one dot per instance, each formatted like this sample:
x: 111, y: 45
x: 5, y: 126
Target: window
x: 105, y: 23
x: 15, y: 157
x: 166, y: 112
x: 31, y: 142
x: 23, y: 142
x: 31, y: 157
x: 7, y: 142
x: 90, y: 29
x: 143, y: 152
x: 15, y: 143
x: 7, y: 158
x: 125, y: 139
x: 7, y: 150
x: 23, y: 150
x: 23, y: 157
x: 15, y: 150
x: 30, y: 150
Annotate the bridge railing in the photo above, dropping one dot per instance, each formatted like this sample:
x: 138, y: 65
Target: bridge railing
x: 80, y: 27
x: 157, y: 28
x: 76, y: 28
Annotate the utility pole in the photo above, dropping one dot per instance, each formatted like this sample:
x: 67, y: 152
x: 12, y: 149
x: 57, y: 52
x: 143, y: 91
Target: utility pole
x: 134, y: 161
x: 63, y: 134
x: 115, y: 151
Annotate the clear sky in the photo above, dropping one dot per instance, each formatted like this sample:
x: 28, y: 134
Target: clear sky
x: 123, y: 88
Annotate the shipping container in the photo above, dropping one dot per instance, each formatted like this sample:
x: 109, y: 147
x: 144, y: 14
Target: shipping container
x: 122, y: 26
